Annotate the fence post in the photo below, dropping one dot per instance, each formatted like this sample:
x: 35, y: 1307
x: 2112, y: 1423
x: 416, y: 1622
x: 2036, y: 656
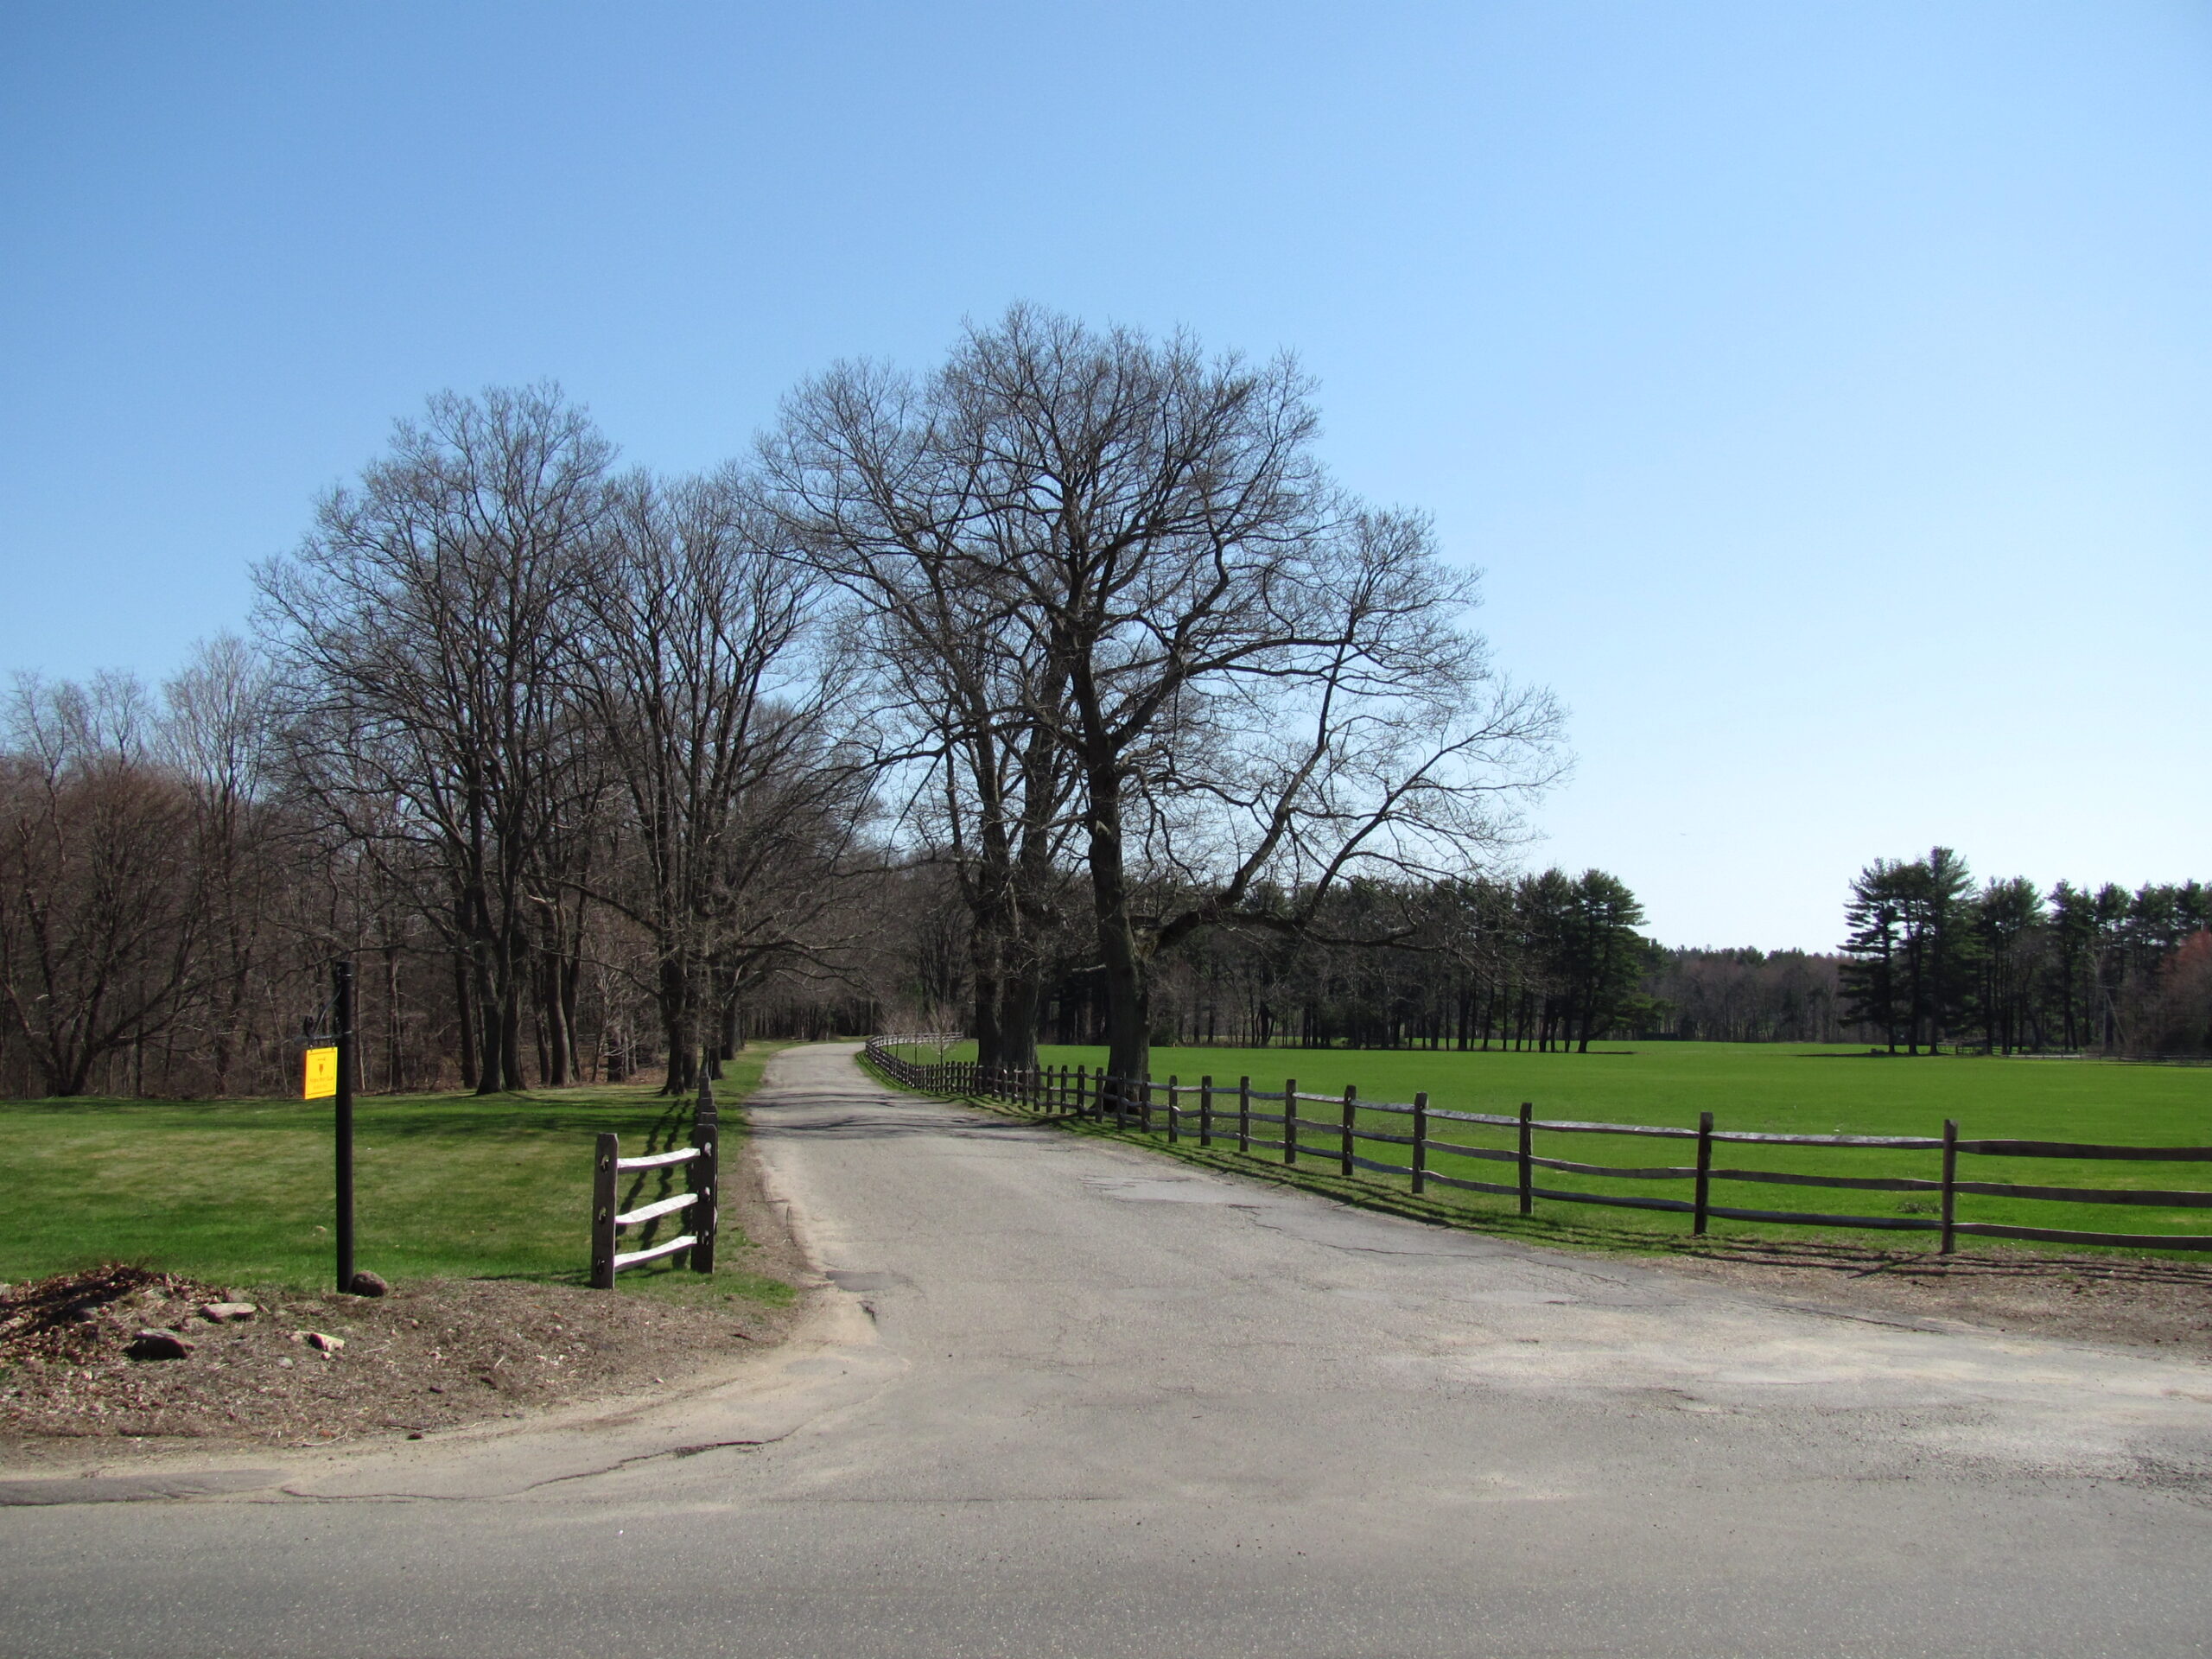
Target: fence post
x: 1244, y: 1116
x: 1083, y: 1091
x: 1704, y: 1172
x: 1205, y: 1109
x: 1174, y: 1107
x: 1528, y: 1168
x: 1420, y: 1143
x: 1290, y: 1120
x: 341, y: 990
x: 1351, y: 1111
x: 1144, y: 1102
x: 602, y: 1211
x: 706, y: 1177
x: 1950, y: 1182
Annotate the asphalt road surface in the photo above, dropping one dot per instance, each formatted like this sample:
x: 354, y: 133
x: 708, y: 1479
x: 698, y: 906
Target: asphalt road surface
x: 1075, y: 1399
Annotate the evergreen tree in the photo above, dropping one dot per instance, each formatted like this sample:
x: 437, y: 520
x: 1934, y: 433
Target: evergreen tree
x: 1945, y: 921
x: 2012, y: 930
x: 1609, y: 958
x: 1872, y: 982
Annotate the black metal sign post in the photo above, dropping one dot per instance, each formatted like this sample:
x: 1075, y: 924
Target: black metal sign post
x: 341, y: 976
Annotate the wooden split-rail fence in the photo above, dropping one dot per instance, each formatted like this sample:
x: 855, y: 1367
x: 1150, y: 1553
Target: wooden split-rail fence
x: 701, y: 1164
x: 1214, y: 1113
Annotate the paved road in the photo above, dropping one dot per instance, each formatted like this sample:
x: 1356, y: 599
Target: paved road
x: 1097, y: 1403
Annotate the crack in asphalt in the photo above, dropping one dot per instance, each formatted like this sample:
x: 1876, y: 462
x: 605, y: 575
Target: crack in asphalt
x: 614, y: 1468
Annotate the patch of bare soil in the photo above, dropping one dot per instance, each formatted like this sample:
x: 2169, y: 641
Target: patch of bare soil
x: 314, y: 1370
x: 2141, y: 1302
x: 307, y: 1370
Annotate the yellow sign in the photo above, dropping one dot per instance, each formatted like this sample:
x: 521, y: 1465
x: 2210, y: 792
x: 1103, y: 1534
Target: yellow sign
x: 322, y: 1074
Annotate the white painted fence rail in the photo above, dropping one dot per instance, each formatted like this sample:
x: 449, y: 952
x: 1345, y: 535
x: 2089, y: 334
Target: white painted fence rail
x: 701, y: 1160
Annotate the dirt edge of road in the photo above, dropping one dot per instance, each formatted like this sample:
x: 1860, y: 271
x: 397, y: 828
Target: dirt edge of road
x: 323, y: 1370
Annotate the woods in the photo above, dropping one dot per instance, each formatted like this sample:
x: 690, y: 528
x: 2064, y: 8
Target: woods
x: 1057, y: 694
x: 1050, y: 665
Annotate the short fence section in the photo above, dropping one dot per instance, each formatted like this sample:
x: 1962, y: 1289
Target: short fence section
x: 1278, y: 1123
x: 700, y: 1161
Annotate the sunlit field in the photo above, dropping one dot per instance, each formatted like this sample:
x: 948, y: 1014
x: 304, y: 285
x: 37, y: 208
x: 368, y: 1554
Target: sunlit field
x: 240, y: 1191
x: 1773, y: 1087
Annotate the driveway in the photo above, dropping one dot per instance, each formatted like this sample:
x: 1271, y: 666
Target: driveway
x: 1070, y: 1398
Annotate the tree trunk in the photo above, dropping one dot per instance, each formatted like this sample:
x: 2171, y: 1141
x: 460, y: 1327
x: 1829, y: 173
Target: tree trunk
x: 569, y: 986
x: 511, y: 1034
x: 1128, y: 1002
x: 1018, y: 995
x: 491, y: 1049
x: 394, y: 1083
x: 464, y: 1013
x: 678, y: 1022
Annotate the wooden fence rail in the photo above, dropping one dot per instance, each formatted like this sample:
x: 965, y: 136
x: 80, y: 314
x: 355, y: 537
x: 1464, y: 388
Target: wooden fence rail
x: 1178, y: 1108
x: 702, y: 1162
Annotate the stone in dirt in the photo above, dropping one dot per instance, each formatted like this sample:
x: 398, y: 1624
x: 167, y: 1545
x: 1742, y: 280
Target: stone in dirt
x: 158, y: 1345
x: 226, y: 1312
x: 322, y: 1342
x: 368, y: 1284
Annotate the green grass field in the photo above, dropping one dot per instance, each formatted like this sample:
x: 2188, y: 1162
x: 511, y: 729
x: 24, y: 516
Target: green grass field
x: 240, y: 1191
x: 1774, y: 1088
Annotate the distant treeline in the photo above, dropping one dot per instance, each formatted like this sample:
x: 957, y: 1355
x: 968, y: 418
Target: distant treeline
x: 1554, y: 961
x: 1552, y: 977
x: 1548, y: 961
x: 1743, y: 997
x: 1933, y: 960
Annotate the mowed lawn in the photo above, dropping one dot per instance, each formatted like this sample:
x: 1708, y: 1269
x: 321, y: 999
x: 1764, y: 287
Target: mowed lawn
x: 241, y: 1190
x: 1786, y: 1088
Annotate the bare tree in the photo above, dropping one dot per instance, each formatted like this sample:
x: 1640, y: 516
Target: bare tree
x: 888, y: 507
x: 215, y: 734
x: 100, y: 904
x: 1258, y: 684
x: 691, y: 655
x: 419, y: 633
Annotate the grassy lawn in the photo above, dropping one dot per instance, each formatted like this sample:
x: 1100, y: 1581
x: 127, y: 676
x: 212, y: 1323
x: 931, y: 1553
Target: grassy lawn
x: 1785, y: 1088
x: 446, y: 1185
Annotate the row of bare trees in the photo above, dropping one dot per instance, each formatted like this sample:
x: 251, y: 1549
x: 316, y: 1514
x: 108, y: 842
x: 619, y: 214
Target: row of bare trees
x: 1073, y: 633
x: 566, y: 690
x: 564, y: 733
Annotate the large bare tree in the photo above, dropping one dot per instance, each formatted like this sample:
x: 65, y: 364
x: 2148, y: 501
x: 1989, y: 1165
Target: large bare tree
x: 419, y: 631
x: 866, y: 482
x: 694, y: 661
x: 1257, y: 684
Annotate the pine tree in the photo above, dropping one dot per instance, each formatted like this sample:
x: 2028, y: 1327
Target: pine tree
x: 1871, y: 979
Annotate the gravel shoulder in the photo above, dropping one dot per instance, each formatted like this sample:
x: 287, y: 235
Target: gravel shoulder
x: 317, y: 1369
x: 2106, y: 1300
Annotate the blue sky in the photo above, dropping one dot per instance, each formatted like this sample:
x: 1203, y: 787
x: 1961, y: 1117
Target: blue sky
x: 1825, y: 388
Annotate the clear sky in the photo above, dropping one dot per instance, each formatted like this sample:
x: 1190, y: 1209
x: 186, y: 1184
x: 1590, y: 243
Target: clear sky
x: 1825, y: 388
